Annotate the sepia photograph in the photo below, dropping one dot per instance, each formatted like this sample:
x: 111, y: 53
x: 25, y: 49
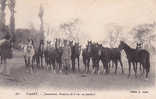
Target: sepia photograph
x: 79, y: 48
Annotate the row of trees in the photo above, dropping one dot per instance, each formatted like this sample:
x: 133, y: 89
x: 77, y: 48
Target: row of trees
x: 18, y: 34
x: 70, y: 30
x: 11, y: 5
x: 145, y: 33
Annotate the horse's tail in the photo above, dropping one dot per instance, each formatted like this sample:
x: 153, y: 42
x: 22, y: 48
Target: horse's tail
x: 148, y: 62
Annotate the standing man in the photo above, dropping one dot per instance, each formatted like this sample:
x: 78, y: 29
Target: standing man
x: 5, y: 52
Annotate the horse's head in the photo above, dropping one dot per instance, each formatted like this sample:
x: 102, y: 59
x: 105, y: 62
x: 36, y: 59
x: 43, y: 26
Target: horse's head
x: 77, y: 47
x: 41, y: 46
x: 122, y: 45
x: 89, y: 47
x: 100, y: 48
x: 29, y: 48
x: 70, y: 43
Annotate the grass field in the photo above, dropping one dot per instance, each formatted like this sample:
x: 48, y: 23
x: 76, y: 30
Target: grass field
x: 19, y: 78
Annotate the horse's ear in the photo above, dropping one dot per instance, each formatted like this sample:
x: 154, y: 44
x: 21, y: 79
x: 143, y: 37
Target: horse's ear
x: 121, y: 41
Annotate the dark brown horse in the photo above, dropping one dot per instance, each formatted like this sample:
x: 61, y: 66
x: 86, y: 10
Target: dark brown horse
x: 58, y: 53
x: 115, y: 57
x: 75, y: 54
x: 50, y: 58
x: 96, y: 56
x: 133, y: 55
x: 87, y: 54
x: 39, y: 53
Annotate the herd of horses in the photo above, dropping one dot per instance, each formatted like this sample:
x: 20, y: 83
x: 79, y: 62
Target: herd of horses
x: 95, y: 52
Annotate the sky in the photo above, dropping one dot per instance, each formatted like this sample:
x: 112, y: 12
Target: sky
x: 95, y: 15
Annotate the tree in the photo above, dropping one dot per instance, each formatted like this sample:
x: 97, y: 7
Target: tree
x: 71, y: 30
x: 146, y: 34
x: 114, y: 31
x: 11, y: 5
x: 2, y: 13
x: 41, y: 13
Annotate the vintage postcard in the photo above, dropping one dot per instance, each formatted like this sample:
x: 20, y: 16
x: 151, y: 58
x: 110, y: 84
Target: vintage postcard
x: 77, y: 49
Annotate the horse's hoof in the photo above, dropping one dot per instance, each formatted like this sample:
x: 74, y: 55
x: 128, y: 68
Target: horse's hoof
x: 146, y: 79
x: 99, y: 72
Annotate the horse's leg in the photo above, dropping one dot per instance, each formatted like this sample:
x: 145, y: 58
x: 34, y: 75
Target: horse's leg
x: 129, y: 63
x: 28, y: 64
x: 42, y: 61
x: 104, y: 66
x: 147, y: 71
x: 78, y: 60
x: 84, y: 62
x: 108, y: 64
x: 134, y: 68
x: 1, y: 60
x: 112, y: 63
x: 50, y: 65
x: 72, y: 64
x: 116, y: 65
x: 107, y: 68
x: 32, y: 63
x: 88, y: 61
x: 121, y: 65
x: 6, y: 70
x: 98, y: 66
x: 60, y: 67
x: 37, y: 61
x: 54, y: 66
x: 94, y: 65
x: 140, y: 67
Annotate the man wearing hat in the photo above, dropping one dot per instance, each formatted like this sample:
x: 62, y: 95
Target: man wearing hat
x: 5, y: 51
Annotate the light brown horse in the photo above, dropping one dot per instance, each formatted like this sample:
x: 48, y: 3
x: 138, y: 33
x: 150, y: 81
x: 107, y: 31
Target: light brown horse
x: 29, y: 52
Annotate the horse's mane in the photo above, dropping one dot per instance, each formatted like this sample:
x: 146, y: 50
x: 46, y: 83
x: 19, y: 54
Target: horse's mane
x: 127, y: 46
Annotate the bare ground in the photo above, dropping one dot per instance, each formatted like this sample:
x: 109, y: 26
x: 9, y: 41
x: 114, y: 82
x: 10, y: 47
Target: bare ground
x: 19, y: 78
